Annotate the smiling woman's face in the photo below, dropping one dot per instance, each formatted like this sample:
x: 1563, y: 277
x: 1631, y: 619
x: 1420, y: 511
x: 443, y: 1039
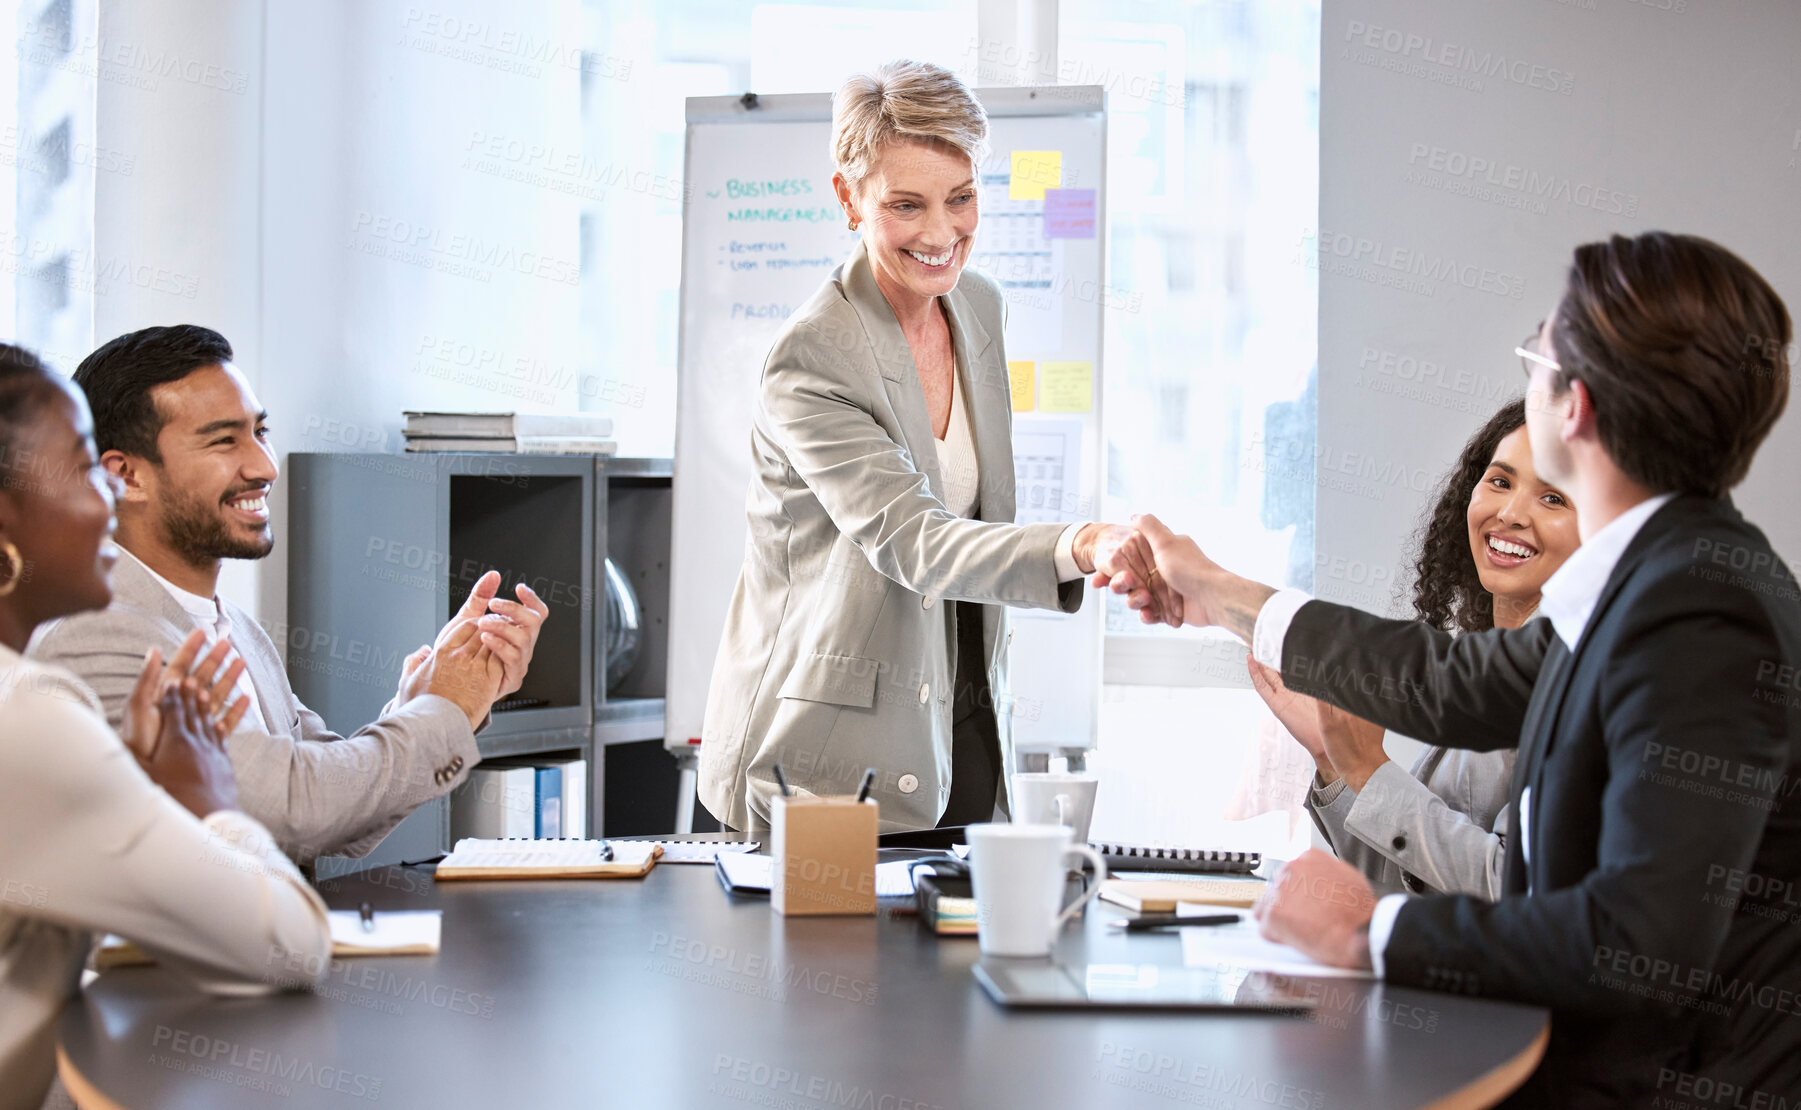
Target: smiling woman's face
x: 917, y: 207
x: 1521, y: 529
x: 59, y: 511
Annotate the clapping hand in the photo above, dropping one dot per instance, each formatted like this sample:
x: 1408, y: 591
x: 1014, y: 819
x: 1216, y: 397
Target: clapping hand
x: 143, y: 724
x: 459, y: 668
x: 1298, y: 713
x: 508, y: 629
x: 1341, y: 744
x: 186, y: 755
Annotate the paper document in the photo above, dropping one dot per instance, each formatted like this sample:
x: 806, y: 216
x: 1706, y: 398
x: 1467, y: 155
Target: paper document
x: 748, y: 872
x: 893, y: 879
x: 1013, y: 250
x: 396, y: 933
x: 1047, y: 478
x: 1240, y: 946
x: 698, y: 851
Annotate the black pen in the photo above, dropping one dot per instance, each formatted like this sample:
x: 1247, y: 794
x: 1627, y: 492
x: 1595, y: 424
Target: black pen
x: 868, y: 781
x: 1147, y: 922
x: 781, y: 780
x: 368, y: 913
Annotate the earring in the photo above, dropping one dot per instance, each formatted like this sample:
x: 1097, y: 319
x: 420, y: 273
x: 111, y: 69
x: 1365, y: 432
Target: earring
x: 853, y: 223
x: 17, y: 564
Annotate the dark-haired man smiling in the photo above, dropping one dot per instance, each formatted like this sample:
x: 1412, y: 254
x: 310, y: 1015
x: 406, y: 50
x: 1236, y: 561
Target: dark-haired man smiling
x: 179, y: 426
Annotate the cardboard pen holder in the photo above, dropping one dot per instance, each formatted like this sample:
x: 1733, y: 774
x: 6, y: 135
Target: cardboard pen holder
x: 824, y: 855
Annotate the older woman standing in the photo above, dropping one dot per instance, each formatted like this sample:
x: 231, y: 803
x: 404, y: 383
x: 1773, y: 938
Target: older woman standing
x: 867, y: 628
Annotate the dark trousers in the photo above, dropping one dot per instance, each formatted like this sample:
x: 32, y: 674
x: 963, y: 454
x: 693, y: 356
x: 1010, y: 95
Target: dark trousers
x: 975, y: 738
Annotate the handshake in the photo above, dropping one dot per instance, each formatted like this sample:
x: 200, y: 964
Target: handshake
x: 1167, y: 578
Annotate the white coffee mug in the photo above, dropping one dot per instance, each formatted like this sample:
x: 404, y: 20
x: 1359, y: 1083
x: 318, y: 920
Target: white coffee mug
x: 1018, y: 872
x: 1052, y: 798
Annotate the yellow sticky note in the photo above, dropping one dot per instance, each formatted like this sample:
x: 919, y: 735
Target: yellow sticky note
x: 1023, y: 377
x: 1066, y: 387
x: 1034, y: 171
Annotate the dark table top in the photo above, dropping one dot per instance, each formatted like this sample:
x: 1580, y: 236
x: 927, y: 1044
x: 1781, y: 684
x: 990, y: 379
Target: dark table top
x: 667, y: 992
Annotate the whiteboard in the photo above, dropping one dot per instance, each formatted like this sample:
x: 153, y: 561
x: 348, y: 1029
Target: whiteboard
x: 761, y: 230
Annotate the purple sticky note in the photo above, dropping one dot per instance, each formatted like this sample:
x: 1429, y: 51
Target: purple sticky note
x: 1069, y: 213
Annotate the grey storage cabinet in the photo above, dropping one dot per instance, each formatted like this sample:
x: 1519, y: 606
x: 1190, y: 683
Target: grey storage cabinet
x: 384, y: 548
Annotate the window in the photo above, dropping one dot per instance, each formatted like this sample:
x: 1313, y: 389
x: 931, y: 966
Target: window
x: 1213, y: 134
x: 47, y: 162
x: 635, y: 128
x: 1213, y: 180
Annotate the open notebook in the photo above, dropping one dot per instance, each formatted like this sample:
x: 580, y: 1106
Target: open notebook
x: 394, y: 933
x: 521, y: 858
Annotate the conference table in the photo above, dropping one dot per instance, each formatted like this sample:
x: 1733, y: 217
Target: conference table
x: 667, y: 991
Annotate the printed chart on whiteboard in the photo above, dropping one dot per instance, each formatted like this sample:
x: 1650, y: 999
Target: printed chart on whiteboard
x: 1027, y: 219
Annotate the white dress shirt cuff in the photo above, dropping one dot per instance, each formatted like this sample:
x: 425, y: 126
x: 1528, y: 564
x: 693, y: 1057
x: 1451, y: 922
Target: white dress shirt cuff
x: 1065, y: 555
x: 1272, y: 625
x: 1382, y: 924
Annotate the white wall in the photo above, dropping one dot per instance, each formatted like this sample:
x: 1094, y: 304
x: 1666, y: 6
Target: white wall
x: 179, y: 92
x: 358, y: 213
x: 1681, y: 115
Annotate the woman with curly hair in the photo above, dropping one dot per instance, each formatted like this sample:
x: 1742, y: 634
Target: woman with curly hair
x: 1494, y: 534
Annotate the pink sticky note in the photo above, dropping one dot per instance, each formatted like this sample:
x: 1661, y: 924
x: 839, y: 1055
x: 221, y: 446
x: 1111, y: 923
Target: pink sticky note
x: 1069, y: 213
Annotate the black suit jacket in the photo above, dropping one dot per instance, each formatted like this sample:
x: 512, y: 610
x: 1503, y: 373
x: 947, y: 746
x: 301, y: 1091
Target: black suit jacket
x: 1659, y: 912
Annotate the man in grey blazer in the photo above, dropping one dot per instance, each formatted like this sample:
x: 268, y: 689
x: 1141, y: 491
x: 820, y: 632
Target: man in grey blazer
x: 180, y: 427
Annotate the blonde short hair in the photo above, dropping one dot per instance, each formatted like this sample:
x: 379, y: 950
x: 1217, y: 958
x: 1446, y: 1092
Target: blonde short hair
x: 904, y: 100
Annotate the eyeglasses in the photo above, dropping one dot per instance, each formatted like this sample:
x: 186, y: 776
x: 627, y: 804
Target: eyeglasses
x: 1530, y: 358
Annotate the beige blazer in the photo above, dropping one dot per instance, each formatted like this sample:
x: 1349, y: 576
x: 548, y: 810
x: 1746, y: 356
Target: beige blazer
x: 837, y: 654
x: 318, y: 792
x: 89, y: 845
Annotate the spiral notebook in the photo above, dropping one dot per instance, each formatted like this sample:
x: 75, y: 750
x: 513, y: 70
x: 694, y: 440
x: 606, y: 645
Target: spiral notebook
x: 1134, y: 857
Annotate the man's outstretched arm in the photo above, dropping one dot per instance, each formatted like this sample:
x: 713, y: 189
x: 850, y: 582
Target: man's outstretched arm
x: 1467, y: 691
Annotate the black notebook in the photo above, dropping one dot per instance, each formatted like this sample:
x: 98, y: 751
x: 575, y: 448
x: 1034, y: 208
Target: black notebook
x: 1132, y: 857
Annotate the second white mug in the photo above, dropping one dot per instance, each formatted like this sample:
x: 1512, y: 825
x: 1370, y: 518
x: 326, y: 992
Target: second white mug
x: 1054, y: 798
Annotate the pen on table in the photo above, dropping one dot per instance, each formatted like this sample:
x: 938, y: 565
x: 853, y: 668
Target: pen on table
x: 781, y: 780
x: 368, y: 914
x: 868, y: 781
x: 1147, y: 922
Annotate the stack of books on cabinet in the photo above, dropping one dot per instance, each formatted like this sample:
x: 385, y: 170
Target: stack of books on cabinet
x: 523, y: 433
x: 535, y: 799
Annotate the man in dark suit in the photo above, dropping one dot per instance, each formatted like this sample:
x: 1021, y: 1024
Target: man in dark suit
x: 1650, y: 899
